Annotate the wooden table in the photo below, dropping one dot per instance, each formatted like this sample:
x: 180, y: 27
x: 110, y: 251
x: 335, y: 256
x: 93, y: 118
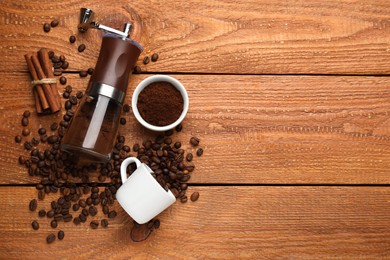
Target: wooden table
x: 291, y: 101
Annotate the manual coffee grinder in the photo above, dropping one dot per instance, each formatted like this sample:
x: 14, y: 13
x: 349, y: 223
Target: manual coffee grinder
x: 91, y: 135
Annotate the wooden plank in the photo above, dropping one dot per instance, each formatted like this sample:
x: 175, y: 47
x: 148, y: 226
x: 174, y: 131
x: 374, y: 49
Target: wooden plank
x: 254, y: 129
x: 225, y: 223
x: 250, y: 37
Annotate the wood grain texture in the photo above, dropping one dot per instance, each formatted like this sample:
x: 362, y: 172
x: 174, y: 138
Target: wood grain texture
x: 249, y: 37
x: 225, y: 223
x: 254, y: 129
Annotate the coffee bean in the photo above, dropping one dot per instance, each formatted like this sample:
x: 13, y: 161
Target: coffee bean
x: 137, y: 70
x: 65, y: 65
x: 122, y: 121
x: 55, y: 59
x: 35, y: 225
x: 53, y: 223
x: 82, y: 218
x: 72, y: 39
x: 61, y: 235
x: 82, y: 203
x: 92, y: 211
x: 68, y: 105
x: 63, y: 80
x: 126, y: 108
x: 41, y: 195
x: 25, y: 132
x: 104, y: 223
x: 54, y: 23
x: 81, y: 47
x: 105, y: 210
x: 195, y: 196
x: 50, y: 238
x: 42, y: 213
x: 26, y: 113
x: 146, y: 60
x: 73, y: 100
x: 154, y: 57
x: 51, y: 54
x: 184, y: 199
x: 112, y: 214
x: 53, y: 126
x: 94, y: 224
x: 76, y: 221
x: 33, y: 205
x: 46, y: 27
x: 177, y: 145
x: 57, y: 72
x: 90, y: 71
x: 18, y: 139
x: 68, y: 217
x: 179, y: 127
x: 24, y: 121
x: 194, y: 141
x: 199, y: 152
x: 83, y: 73
x: 79, y: 94
x: 52, y: 139
x: 85, y: 212
x: 189, y: 157
x: 76, y: 207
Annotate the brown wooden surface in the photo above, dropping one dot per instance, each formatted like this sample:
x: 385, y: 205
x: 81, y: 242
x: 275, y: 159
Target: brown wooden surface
x: 294, y: 165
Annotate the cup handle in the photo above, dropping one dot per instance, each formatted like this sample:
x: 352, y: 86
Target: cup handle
x: 124, y: 165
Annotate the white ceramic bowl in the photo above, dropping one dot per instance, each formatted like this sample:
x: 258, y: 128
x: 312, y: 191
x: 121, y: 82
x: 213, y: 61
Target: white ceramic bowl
x: 150, y: 80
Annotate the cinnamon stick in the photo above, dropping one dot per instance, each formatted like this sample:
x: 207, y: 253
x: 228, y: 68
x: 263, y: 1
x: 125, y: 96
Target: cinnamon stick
x: 47, y: 67
x: 38, y: 105
x: 42, y: 104
x: 50, y: 96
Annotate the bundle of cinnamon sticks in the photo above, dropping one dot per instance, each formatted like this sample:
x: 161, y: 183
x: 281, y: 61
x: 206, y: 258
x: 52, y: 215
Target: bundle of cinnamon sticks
x: 47, y: 99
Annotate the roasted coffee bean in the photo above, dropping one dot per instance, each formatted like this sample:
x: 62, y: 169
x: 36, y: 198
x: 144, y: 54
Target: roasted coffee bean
x: 194, y: 141
x: 55, y: 59
x: 57, y: 72
x: 63, y: 80
x: 90, y: 71
x: 34, y: 141
x: 122, y: 121
x: 72, y: 39
x: 184, y: 199
x: 76, y: 207
x: 94, y: 224
x: 146, y: 60
x: 92, y: 211
x: 76, y: 221
x: 168, y: 132
x: 68, y: 217
x: 135, y: 147
x: 104, y: 223
x: 62, y: 58
x: 25, y: 132
x: 65, y: 65
x: 82, y: 203
x: 50, y: 238
x: 54, y: 23
x: 195, y: 196
x: 126, y: 108
x: 53, y: 223
x: 81, y: 47
x: 52, y: 139
x: 42, y: 213
x: 53, y: 126
x: 79, y: 94
x: 199, y: 152
x: 189, y: 157
x: 68, y: 105
x: 46, y: 27
x: 22, y: 160
x: 41, y: 131
x: 126, y: 148
x: 18, y: 139
x: 85, y: 212
x: 51, y: 54
x: 105, y: 210
x: 61, y: 235
x: 73, y: 100
x: 154, y: 57
x: 83, y: 73
x: 179, y: 127
x: 41, y: 195
x: 24, y: 121
x: 137, y: 70
x: 35, y: 225
x: 177, y: 145
x: 50, y: 213
x: 26, y: 113
x: 112, y: 214
x: 68, y: 89
x: 82, y: 218
x: 33, y: 205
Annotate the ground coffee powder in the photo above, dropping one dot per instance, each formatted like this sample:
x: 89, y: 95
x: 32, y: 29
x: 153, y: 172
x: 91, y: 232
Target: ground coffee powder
x: 160, y: 104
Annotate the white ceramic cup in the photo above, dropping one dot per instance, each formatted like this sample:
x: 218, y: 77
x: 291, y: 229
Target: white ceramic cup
x: 150, y: 80
x: 140, y: 195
